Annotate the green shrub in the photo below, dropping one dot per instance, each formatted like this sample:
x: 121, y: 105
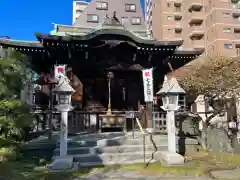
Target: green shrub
x: 8, y: 154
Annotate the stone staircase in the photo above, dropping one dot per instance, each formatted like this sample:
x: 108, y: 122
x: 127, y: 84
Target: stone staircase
x: 116, y: 148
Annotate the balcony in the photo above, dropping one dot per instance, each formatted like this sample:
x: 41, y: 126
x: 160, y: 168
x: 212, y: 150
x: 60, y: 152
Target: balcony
x: 238, y: 51
x: 178, y: 36
x: 236, y: 10
x: 236, y: 21
x: 196, y: 17
x: 177, y: 3
x: 177, y: 15
x: 196, y: 32
x: 178, y: 25
x: 178, y: 28
x: 196, y: 5
x: 198, y: 43
x: 237, y: 36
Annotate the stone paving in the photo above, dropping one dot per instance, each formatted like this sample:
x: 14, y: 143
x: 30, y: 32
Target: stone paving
x: 115, y: 174
x: 226, y: 174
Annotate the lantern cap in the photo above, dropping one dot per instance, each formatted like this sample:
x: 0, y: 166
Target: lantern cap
x: 170, y: 87
x: 64, y: 87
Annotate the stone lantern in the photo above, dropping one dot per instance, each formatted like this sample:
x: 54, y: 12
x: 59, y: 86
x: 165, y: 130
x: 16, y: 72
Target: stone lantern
x: 63, y: 93
x: 169, y: 93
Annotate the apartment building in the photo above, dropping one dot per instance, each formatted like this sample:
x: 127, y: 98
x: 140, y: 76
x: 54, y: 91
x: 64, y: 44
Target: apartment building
x: 78, y: 8
x: 128, y: 12
x: 210, y: 24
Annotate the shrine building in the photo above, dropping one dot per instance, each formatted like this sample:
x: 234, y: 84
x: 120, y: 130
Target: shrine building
x: 108, y: 36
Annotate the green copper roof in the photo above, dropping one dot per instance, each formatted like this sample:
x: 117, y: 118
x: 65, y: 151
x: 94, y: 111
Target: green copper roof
x: 20, y: 43
x: 117, y: 32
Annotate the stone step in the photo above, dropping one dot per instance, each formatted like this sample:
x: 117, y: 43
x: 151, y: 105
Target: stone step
x: 126, y: 141
x: 80, y: 144
x: 158, y: 141
x: 99, y: 163
x: 109, y: 142
x: 96, y: 136
x: 111, y: 158
x: 111, y: 149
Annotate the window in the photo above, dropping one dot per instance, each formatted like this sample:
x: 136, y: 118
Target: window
x: 78, y: 15
x: 150, y: 5
x: 225, y: 1
x: 150, y: 13
x: 130, y: 7
x: 228, y: 46
x: 92, y: 18
x: 169, y: 4
x: 225, y: 14
x: 124, y: 20
x: 136, y: 20
x: 227, y: 30
x: 102, y: 5
x: 169, y: 18
x: 182, y: 101
x: 170, y: 31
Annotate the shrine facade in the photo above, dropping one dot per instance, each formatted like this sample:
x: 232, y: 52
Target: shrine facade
x: 90, y: 54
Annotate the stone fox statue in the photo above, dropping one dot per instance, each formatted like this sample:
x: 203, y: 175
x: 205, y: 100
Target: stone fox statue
x: 61, y: 79
x: 77, y: 86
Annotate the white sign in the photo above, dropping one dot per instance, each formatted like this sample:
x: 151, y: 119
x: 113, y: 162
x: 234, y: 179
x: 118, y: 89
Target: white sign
x: 59, y: 69
x: 148, y: 84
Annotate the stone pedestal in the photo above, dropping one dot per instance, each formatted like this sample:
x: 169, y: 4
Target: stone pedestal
x: 62, y: 163
x: 170, y: 158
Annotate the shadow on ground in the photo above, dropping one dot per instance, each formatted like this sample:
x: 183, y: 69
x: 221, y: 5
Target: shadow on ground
x: 32, y: 160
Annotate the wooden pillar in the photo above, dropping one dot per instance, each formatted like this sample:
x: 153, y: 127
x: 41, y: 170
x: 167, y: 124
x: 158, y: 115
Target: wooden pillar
x: 149, y: 116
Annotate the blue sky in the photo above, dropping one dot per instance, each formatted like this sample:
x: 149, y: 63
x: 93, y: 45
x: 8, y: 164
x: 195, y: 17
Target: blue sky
x: 21, y: 18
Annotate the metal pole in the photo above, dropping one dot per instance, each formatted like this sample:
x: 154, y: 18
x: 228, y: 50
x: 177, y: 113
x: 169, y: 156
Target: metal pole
x: 109, y: 112
x: 144, y: 150
x: 132, y: 127
x: 109, y: 91
x: 64, y: 133
x: 171, y: 129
